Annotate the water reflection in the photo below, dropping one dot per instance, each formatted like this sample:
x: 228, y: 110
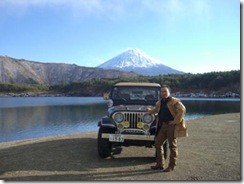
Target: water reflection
x: 31, y: 122
x: 200, y: 108
x: 25, y: 121
x: 212, y: 107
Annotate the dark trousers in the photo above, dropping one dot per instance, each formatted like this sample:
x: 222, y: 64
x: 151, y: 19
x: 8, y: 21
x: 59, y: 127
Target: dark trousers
x: 166, y: 132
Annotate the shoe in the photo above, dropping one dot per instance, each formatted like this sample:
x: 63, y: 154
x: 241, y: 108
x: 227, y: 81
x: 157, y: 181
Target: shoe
x: 168, y: 169
x: 157, y: 167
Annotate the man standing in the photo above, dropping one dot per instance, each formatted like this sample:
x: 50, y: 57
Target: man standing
x: 171, y: 122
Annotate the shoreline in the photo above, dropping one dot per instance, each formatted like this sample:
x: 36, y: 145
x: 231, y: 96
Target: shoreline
x: 176, y: 94
x: 211, y: 152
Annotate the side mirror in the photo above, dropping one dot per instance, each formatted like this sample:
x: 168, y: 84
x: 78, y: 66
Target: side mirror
x: 106, y: 96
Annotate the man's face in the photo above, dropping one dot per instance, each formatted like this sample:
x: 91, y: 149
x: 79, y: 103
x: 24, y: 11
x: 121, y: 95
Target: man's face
x: 164, y: 92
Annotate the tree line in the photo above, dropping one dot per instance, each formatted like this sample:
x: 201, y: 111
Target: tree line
x: 212, y: 81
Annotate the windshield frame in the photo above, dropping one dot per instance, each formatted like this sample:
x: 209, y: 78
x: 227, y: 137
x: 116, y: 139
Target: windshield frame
x: 135, y: 95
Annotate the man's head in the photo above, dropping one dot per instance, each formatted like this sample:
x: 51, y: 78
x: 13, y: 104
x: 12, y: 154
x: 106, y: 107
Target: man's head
x: 165, y: 91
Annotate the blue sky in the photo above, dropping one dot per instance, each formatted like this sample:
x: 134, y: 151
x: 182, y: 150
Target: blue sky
x: 195, y: 36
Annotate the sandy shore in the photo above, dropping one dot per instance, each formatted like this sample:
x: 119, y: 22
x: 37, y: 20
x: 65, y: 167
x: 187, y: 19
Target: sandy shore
x: 211, y: 152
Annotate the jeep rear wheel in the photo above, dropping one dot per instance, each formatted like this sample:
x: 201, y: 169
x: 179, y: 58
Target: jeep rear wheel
x: 104, y: 147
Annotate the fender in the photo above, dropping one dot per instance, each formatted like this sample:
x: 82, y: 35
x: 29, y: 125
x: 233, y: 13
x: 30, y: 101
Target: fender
x: 106, y: 122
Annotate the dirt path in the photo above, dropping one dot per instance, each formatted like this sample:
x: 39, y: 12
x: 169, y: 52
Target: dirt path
x: 211, y: 152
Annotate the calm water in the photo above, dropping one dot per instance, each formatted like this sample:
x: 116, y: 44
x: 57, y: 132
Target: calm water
x: 33, y: 117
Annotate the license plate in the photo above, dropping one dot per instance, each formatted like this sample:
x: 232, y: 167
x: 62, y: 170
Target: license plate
x: 116, y: 138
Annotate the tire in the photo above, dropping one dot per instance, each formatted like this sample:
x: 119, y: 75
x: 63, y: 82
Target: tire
x: 104, y: 147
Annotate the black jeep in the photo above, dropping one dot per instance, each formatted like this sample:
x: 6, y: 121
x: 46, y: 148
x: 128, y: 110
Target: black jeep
x: 127, y: 122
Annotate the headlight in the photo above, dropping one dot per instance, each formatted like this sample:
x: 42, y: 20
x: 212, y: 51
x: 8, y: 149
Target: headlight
x: 119, y: 117
x: 147, y: 118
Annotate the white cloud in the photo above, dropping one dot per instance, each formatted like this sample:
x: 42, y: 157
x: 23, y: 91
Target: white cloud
x: 22, y: 3
x: 110, y: 7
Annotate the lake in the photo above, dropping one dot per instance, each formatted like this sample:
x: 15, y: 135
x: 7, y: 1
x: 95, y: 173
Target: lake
x: 34, y: 117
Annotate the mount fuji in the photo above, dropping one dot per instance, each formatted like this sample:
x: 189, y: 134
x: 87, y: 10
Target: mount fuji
x: 139, y: 62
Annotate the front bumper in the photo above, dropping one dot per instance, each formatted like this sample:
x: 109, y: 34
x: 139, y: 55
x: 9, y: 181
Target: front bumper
x: 131, y: 137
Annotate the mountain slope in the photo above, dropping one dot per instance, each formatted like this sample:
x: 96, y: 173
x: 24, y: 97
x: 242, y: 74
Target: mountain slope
x: 137, y: 61
x: 21, y: 71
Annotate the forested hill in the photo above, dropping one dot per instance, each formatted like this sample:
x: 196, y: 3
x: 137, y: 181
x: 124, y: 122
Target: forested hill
x: 213, y: 84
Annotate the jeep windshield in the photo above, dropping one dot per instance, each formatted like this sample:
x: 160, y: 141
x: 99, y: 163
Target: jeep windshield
x: 135, y: 95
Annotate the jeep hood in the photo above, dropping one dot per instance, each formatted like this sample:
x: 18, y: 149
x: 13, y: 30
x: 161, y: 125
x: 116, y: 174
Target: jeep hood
x: 128, y: 108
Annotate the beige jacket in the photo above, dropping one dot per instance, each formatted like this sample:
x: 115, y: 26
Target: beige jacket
x: 177, y: 109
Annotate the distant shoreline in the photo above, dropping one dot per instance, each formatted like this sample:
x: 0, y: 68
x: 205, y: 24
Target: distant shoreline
x: 178, y: 95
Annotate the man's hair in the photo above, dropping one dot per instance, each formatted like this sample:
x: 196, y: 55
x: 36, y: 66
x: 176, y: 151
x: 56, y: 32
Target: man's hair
x: 166, y: 86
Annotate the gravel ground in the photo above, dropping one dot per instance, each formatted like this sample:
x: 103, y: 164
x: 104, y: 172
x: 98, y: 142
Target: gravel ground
x: 211, y: 152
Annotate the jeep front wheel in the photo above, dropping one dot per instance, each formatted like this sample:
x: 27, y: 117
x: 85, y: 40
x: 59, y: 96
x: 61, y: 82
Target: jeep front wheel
x: 104, y: 147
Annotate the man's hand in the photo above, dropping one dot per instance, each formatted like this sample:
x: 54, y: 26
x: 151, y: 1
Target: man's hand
x: 172, y: 123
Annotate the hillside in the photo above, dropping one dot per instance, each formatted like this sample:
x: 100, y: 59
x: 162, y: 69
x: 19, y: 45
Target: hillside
x: 222, y: 84
x: 19, y: 71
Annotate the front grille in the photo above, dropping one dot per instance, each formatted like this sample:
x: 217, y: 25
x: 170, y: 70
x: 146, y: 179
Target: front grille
x: 133, y: 118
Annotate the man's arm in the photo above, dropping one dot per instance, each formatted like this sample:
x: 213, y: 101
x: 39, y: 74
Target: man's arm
x: 155, y: 109
x: 180, y: 112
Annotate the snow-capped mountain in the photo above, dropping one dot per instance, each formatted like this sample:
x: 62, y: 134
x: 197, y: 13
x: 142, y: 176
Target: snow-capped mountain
x: 138, y: 61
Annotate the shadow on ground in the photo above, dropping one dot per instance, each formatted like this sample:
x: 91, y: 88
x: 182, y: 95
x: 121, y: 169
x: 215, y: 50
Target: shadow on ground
x: 67, y: 159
